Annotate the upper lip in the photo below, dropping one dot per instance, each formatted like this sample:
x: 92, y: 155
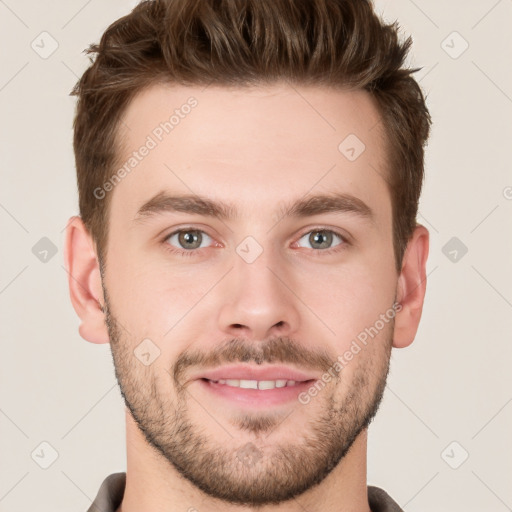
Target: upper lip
x: 248, y: 372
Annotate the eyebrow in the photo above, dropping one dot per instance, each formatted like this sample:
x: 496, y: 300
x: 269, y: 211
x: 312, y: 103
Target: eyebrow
x: 305, y: 207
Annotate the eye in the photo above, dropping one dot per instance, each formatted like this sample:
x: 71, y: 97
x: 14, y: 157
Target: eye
x: 189, y: 239
x: 322, y: 239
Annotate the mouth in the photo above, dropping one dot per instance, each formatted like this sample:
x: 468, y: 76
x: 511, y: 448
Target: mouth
x: 261, y: 385
x: 255, y: 387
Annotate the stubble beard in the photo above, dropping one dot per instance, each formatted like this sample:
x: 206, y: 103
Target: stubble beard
x: 244, y: 473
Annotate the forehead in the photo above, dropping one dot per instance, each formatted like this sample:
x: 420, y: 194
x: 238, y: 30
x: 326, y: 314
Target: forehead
x: 258, y: 146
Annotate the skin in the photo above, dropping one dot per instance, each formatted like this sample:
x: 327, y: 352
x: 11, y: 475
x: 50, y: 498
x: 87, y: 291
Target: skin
x: 255, y: 149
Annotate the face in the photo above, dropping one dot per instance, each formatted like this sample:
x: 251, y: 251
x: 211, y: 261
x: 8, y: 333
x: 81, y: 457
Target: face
x: 250, y: 281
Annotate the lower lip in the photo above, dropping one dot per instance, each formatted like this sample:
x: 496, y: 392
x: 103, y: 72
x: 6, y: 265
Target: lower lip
x: 256, y: 397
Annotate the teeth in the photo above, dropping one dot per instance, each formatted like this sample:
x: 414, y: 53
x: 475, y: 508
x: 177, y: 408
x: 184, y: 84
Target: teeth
x: 249, y: 384
x: 256, y: 384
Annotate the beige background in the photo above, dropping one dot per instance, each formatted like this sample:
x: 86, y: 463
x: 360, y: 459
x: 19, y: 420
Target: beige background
x: 453, y: 384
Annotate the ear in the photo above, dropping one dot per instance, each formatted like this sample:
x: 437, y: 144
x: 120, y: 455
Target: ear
x: 412, y: 284
x: 84, y: 281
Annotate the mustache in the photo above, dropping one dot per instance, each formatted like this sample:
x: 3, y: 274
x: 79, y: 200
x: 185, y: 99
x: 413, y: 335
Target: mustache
x: 239, y: 350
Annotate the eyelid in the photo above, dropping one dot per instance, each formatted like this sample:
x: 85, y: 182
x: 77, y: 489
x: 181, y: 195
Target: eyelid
x: 312, y: 252
x: 189, y: 228
x: 177, y: 233
x: 345, y: 238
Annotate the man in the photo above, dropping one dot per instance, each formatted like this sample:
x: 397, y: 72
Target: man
x: 249, y: 175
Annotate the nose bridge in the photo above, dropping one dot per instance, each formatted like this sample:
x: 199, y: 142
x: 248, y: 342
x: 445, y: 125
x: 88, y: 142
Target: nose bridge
x: 255, y: 298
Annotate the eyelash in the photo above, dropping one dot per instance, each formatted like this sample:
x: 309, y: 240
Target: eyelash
x: 192, y: 252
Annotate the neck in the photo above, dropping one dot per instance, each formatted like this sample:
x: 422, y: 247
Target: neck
x: 154, y: 485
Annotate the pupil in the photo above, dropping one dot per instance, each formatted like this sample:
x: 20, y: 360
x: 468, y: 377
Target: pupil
x: 190, y: 238
x: 322, y: 239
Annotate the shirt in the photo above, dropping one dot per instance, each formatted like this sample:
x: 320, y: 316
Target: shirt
x: 111, y: 493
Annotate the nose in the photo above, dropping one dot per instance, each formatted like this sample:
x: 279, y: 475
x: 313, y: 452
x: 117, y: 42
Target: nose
x: 258, y: 300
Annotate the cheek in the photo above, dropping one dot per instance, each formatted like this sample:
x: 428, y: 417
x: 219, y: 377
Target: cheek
x: 348, y: 299
x: 153, y: 298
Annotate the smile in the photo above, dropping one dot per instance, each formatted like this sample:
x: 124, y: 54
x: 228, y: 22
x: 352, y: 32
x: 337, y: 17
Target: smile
x: 255, y: 384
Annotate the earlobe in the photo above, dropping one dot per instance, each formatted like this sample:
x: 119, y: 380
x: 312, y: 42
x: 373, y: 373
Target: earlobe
x: 412, y: 284
x: 84, y: 281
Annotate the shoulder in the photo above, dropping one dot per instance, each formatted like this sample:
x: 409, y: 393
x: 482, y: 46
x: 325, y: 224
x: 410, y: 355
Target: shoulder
x: 110, y: 494
x: 380, y: 501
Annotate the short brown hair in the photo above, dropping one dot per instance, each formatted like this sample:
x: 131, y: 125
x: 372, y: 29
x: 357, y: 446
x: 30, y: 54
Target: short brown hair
x: 340, y: 43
